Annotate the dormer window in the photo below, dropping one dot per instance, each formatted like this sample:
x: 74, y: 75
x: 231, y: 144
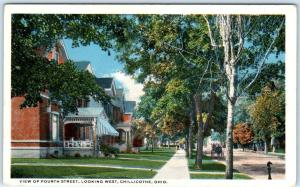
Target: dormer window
x: 82, y: 103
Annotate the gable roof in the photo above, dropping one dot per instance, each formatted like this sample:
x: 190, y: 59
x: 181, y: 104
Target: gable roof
x: 105, y: 83
x: 63, y: 49
x: 82, y: 65
x: 120, y: 92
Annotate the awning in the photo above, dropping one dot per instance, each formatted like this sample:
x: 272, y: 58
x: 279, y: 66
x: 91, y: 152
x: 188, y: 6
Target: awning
x: 104, y: 128
x: 85, y: 115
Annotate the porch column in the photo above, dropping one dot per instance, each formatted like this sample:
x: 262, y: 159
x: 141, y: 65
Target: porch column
x: 95, y: 143
x: 130, y: 138
x: 91, y: 136
x: 63, y: 134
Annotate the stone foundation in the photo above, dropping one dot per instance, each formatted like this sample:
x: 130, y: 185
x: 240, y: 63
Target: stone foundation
x: 76, y: 152
x: 36, y: 152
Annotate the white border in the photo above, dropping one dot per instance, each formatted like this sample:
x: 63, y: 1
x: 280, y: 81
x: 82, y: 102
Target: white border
x: 291, y: 25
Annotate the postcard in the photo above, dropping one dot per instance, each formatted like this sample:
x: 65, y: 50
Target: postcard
x: 148, y: 94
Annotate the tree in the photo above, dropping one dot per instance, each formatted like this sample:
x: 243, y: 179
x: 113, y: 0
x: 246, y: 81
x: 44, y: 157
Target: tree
x: 162, y: 48
x: 242, y: 134
x: 242, y: 45
x: 267, y: 115
x: 34, y: 35
x: 147, y: 130
x: 68, y: 85
x: 172, y: 109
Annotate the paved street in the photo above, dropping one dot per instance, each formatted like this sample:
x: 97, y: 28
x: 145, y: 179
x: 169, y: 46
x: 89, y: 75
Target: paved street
x: 175, y: 168
x: 255, y: 164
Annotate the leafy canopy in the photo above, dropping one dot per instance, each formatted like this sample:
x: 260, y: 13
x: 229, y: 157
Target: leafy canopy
x: 34, y: 35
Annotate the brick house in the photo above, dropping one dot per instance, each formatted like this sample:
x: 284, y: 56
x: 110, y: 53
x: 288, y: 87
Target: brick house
x: 35, y: 131
x: 42, y: 131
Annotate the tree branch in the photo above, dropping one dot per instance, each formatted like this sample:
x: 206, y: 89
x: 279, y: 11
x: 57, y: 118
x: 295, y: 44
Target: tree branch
x: 241, y: 39
x: 264, y: 58
x: 212, y: 40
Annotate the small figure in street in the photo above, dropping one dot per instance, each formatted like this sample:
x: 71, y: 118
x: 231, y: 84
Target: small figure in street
x: 269, y: 170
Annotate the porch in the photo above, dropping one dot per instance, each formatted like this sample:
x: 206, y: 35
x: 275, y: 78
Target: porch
x: 125, y: 136
x: 82, y: 132
x: 78, y: 143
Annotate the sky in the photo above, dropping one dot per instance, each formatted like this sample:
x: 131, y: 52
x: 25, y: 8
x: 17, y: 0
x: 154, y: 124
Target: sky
x: 106, y: 66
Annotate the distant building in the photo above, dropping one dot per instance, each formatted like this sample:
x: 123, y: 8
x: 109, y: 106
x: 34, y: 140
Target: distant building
x: 84, y: 66
x: 108, y: 84
x: 129, y: 141
x: 120, y: 99
x: 129, y: 106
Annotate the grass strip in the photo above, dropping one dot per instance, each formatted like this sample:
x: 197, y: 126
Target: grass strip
x: 217, y: 176
x: 206, y: 166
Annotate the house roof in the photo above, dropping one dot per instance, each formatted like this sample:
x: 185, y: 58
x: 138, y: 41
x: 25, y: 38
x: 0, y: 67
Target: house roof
x: 119, y: 92
x: 63, y: 49
x: 105, y: 82
x: 129, y: 106
x: 82, y: 65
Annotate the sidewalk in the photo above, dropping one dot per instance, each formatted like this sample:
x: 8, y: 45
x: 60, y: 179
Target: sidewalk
x: 175, y: 168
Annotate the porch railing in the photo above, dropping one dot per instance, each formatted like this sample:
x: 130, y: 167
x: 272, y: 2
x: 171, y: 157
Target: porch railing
x: 78, y: 143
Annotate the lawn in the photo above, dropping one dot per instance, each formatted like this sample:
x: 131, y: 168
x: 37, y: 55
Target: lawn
x: 217, y: 176
x: 207, y: 165
x: 211, y: 166
x: 279, y: 153
x: 150, y: 159
x: 106, y: 161
x: 157, y: 154
x: 280, y: 150
x: 78, y: 172
x: 204, y: 156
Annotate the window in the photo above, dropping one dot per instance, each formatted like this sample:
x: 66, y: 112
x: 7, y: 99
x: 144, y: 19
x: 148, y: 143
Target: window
x: 82, y: 103
x: 54, y: 124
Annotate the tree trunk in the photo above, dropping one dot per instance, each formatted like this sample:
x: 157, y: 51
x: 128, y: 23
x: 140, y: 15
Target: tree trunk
x: 190, y: 141
x: 266, y: 146
x: 230, y: 69
x: 147, y: 144
x: 229, y: 142
x: 152, y: 145
x: 199, y: 155
x: 187, y: 144
x: 230, y: 111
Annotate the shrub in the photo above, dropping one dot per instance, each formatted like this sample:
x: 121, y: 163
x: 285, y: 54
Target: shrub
x: 108, y: 150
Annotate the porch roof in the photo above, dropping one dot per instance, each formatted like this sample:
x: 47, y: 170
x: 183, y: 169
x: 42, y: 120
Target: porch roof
x: 103, y: 127
x: 88, y: 112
